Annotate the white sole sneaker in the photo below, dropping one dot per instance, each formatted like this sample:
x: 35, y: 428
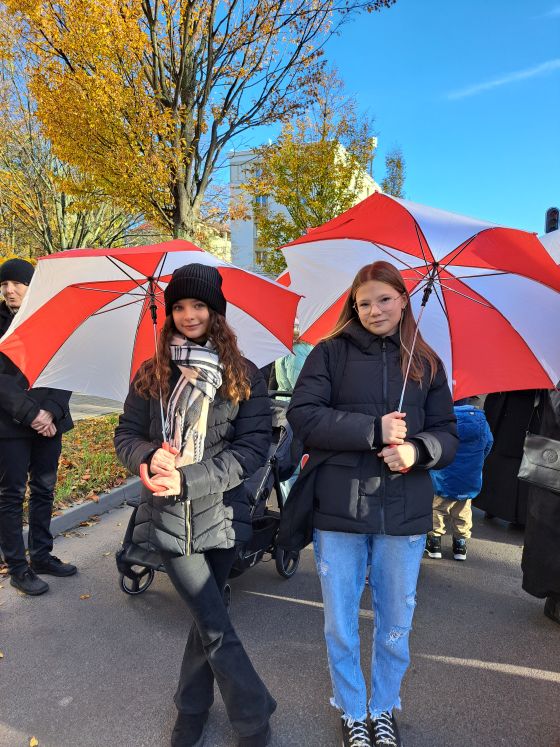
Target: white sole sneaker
x: 457, y: 556
x: 435, y: 555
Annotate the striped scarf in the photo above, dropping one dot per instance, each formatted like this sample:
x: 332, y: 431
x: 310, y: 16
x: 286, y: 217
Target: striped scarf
x: 187, y: 409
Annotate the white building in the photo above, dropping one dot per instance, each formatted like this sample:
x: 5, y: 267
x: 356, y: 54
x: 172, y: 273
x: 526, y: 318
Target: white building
x: 245, y: 248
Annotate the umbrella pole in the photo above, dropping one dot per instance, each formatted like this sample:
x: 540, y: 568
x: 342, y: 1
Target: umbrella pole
x: 153, y: 312
x: 427, y: 292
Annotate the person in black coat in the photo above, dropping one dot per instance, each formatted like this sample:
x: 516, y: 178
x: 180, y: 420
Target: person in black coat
x: 365, y: 491
x: 541, y: 549
x: 502, y: 495
x: 219, y: 427
x: 32, y: 422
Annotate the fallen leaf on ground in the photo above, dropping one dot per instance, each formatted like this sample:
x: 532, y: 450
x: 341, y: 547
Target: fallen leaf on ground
x: 105, y: 554
x: 1, y: 655
x: 85, y: 596
x: 33, y: 742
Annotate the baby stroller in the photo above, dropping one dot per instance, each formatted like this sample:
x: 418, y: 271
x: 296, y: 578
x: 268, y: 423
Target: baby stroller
x: 268, y: 492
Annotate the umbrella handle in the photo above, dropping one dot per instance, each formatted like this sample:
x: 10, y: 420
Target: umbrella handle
x: 404, y: 470
x: 145, y: 474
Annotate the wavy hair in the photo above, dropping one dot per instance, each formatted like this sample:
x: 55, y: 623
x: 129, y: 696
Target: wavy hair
x: 156, y: 371
x: 423, y: 355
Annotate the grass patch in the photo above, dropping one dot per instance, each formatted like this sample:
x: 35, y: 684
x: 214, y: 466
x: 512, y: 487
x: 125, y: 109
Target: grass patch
x: 88, y: 464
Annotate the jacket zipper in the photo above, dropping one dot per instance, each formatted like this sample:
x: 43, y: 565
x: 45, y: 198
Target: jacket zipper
x: 188, y: 527
x: 383, y: 468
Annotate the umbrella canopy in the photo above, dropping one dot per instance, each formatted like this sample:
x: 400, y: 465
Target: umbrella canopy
x: 494, y: 318
x: 551, y: 242
x: 85, y: 323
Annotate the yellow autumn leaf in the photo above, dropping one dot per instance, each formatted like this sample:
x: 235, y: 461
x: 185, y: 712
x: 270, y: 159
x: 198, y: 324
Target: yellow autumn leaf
x: 1, y: 655
x: 85, y: 596
x: 33, y: 742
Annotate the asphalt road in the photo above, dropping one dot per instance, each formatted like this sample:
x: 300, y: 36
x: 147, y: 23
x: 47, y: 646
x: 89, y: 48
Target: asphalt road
x: 101, y: 671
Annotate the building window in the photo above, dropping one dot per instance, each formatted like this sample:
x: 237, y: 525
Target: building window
x: 260, y: 255
x: 261, y: 201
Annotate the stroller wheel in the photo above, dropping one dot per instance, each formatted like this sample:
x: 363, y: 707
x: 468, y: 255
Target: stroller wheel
x: 139, y: 583
x: 286, y: 562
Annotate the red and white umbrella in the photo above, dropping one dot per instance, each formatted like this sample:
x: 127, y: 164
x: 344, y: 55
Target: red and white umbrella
x: 85, y: 323
x: 551, y: 242
x: 494, y: 318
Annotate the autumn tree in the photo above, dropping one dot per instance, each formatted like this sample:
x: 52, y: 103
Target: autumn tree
x: 144, y: 95
x: 317, y: 169
x: 395, y: 173
x: 45, y: 204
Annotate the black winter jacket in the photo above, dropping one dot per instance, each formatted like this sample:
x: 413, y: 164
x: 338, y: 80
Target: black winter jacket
x: 353, y: 490
x: 237, y: 443
x: 19, y: 405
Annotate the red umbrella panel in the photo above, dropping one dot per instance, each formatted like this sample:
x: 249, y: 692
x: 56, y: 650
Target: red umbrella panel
x: 496, y: 292
x: 86, y: 323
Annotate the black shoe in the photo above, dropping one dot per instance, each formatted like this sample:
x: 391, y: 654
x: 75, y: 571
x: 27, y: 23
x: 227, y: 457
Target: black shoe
x: 384, y: 731
x: 433, y: 546
x: 28, y: 582
x: 189, y: 730
x: 53, y: 567
x: 459, y: 548
x: 260, y: 739
x: 552, y: 608
x: 354, y: 733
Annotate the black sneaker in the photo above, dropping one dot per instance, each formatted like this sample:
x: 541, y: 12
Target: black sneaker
x: 189, y: 730
x: 433, y: 546
x: 552, y: 608
x: 459, y: 549
x: 384, y: 731
x: 355, y: 733
x: 29, y: 583
x: 260, y: 739
x: 53, y: 567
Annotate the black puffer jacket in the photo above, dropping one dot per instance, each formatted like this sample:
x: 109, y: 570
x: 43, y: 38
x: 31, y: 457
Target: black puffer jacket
x: 353, y: 490
x: 237, y: 442
x: 19, y: 405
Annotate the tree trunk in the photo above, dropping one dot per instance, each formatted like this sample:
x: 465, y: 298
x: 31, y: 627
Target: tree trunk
x: 183, y: 214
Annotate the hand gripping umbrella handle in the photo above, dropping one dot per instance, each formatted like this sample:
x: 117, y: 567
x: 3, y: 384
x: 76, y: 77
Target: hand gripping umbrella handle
x: 145, y: 474
x: 404, y: 470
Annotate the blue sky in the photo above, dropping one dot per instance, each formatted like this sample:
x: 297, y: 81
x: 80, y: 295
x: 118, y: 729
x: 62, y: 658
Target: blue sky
x: 471, y: 93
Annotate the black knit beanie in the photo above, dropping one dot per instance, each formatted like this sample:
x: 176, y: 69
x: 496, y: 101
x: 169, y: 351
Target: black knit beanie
x: 16, y: 270
x: 196, y: 281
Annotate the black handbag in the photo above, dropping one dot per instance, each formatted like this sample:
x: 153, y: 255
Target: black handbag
x: 540, y: 464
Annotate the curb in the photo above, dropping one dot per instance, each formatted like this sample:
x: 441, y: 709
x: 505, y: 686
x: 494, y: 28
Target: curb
x: 73, y: 516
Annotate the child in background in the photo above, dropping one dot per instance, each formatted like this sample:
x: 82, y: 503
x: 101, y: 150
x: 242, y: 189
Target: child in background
x: 457, y: 484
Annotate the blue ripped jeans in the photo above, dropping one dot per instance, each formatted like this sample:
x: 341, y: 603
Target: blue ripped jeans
x: 342, y: 560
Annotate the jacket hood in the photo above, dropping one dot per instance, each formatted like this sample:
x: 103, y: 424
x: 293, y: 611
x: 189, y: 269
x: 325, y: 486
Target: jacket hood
x: 471, y: 422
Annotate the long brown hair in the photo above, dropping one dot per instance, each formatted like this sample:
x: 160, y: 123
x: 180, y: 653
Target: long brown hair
x: 423, y: 354
x: 157, y: 370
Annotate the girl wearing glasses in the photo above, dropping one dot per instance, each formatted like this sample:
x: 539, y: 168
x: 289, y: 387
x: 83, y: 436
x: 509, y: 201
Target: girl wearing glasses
x: 368, y: 488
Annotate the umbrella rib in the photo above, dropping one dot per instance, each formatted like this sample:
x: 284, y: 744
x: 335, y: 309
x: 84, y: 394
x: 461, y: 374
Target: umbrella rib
x: 106, y: 290
x: 441, y: 303
x: 124, y: 272
x: 116, y: 308
x: 481, y: 275
x: 464, y: 295
x: 421, y: 247
x: 472, y: 238
x: 410, y: 267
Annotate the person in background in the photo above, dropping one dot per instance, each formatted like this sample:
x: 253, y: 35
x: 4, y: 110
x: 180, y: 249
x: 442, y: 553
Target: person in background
x: 540, y: 562
x: 457, y: 484
x: 287, y: 369
x: 32, y: 422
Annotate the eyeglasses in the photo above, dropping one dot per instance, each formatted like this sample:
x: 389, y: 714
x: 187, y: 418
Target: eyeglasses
x: 363, y: 308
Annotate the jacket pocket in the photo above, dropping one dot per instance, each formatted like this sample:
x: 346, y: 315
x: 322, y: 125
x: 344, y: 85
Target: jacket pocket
x: 419, y: 495
x: 337, y: 485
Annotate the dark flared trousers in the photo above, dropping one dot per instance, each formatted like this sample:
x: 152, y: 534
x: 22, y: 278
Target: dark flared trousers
x: 213, y: 650
x: 22, y: 459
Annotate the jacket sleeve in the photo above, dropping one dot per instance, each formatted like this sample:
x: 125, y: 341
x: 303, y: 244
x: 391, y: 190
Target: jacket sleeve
x: 247, y: 451
x: 132, y: 434
x: 315, y: 421
x: 57, y: 402
x: 438, y: 442
x: 489, y: 440
x: 14, y: 398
